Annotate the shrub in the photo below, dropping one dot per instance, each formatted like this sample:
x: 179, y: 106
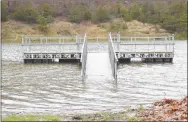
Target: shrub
x: 42, y: 24
x: 49, y: 19
x: 125, y: 14
x: 101, y: 15
x: 134, y: 11
x: 118, y: 25
x: 79, y: 13
x: 26, y: 13
x: 46, y: 10
x: 4, y: 12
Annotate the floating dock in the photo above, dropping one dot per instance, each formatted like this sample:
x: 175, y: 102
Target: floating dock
x: 147, y: 49
x: 50, y: 49
x: 46, y: 49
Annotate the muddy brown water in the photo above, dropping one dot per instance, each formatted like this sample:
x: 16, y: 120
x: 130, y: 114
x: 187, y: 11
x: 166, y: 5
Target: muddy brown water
x: 58, y: 88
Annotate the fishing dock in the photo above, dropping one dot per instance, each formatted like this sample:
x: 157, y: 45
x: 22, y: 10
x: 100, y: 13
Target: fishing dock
x: 121, y: 49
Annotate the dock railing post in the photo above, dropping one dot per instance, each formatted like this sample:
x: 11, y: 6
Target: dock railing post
x: 63, y: 44
x: 118, y: 42
x: 46, y: 44
x: 148, y: 43
x: 135, y: 46
x: 60, y: 44
x: 41, y: 44
x: 29, y: 44
x: 77, y: 42
x: 154, y: 47
x: 131, y: 44
x: 166, y: 43
x: 173, y: 43
x: 22, y: 46
x: 22, y: 39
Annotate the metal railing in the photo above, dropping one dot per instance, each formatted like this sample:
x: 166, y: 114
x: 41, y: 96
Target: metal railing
x: 42, y: 40
x: 112, y: 56
x: 55, y: 44
x: 139, y: 44
x: 84, y: 57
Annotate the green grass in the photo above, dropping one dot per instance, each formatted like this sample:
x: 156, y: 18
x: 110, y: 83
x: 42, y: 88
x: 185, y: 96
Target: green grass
x: 31, y: 117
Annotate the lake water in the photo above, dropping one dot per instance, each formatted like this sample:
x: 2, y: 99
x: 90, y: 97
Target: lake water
x: 58, y: 88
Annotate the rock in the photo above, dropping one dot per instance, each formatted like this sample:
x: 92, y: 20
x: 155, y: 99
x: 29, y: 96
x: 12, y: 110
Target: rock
x: 76, y: 118
x: 166, y: 110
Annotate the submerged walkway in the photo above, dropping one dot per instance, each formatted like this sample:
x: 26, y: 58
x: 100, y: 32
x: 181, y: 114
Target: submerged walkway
x: 98, y: 65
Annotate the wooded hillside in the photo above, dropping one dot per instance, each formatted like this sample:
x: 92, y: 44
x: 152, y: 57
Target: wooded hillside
x: 169, y: 14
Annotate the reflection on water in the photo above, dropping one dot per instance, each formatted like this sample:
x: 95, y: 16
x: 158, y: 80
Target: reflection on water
x: 58, y: 88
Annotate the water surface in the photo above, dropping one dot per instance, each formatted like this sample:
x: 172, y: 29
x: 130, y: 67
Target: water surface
x: 58, y: 88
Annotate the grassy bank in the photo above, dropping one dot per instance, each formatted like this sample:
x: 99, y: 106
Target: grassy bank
x: 32, y: 117
x: 12, y: 30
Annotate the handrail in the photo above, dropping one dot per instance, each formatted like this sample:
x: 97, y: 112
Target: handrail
x: 113, y: 57
x: 42, y: 40
x: 29, y: 36
x: 97, y: 37
x: 84, y: 56
x: 146, y: 43
x: 137, y: 38
x: 152, y: 41
x: 46, y: 41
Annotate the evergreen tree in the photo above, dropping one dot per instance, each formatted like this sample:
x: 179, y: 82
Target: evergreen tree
x: 4, y: 12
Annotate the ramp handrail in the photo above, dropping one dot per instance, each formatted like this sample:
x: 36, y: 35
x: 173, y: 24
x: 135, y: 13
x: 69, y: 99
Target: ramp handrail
x: 112, y: 56
x: 84, y: 56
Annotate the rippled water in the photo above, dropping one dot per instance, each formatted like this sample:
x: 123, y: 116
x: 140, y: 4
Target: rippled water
x: 58, y: 88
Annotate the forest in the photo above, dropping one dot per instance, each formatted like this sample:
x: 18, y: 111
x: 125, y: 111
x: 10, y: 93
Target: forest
x: 170, y: 16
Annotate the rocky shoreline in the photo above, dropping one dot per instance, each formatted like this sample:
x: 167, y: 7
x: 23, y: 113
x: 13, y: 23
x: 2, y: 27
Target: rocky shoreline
x: 166, y: 110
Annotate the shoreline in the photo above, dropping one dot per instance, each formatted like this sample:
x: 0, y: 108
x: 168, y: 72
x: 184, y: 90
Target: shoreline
x: 162, y: 110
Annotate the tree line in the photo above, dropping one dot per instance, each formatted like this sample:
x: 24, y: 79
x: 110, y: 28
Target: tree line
x: 42, y: 15
x: 171, y: 16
